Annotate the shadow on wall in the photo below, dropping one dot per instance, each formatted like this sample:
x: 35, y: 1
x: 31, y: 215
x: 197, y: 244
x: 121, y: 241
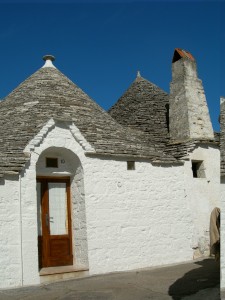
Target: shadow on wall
x: 206, y: 276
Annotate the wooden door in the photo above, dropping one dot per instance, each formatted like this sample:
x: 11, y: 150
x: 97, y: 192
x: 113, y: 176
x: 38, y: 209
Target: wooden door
x: 55, y: 238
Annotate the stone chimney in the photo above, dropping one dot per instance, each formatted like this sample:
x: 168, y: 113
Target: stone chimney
x: 189, y: 115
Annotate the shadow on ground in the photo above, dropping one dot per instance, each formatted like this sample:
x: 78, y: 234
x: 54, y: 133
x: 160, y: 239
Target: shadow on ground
x: 205, y: 276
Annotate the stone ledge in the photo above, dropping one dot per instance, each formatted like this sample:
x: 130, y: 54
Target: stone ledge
x: 60, y: 270
x: 54, y: 274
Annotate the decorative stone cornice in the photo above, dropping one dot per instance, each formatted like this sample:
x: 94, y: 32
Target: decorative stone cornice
x: 37, y: 140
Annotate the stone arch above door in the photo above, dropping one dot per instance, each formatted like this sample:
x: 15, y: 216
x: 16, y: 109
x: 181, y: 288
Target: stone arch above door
x: 68, y: 163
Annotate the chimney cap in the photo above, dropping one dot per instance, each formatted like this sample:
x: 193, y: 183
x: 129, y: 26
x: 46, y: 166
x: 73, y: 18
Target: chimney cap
x: 181, y: 53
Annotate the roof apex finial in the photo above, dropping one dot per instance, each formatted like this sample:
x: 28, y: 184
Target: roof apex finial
x: 138, y: 74
x: 48, y: 57
x: 48, y: 61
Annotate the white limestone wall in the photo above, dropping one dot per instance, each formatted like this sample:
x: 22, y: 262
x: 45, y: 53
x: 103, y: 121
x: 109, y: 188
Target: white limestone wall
x: 137, y: 218
x: 133, y: 219
x: 29, y: 225
x: 222, y: 234
x: 203, y: 194
x: 10, y: 260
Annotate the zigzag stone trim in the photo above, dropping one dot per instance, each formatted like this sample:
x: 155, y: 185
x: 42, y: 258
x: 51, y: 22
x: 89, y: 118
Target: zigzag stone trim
x: 80, y: 138
x: 38, y: 139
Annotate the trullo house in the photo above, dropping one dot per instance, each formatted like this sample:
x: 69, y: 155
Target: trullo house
x: 85, y: 191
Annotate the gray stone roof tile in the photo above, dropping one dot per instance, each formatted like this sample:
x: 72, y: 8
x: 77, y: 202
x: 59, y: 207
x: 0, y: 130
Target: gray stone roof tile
x: 49, y: 94
x: 144, y: 107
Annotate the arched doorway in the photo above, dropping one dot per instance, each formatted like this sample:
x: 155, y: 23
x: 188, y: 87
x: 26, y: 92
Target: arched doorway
x: 57, y: 169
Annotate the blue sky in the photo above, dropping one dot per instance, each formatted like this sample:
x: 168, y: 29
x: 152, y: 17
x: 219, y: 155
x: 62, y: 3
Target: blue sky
x: 100, y: 45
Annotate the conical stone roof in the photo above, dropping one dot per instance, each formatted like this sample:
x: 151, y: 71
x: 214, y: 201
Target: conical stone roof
x: 50, y: 94
x: 144, y: 107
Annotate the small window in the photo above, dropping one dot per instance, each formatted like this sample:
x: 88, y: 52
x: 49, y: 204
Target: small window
x: 51, y: 162
x: 131, y: 165
x: 198, y: 169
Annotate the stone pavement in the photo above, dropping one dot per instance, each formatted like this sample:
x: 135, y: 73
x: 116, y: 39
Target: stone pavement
x: 188, y: 281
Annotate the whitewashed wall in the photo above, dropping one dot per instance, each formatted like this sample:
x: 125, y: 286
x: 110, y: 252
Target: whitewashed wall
x: 203, y: 194
x: 222, y: 234
x: 10, y: 254
x: 136, y: 218
x: 133, y: 219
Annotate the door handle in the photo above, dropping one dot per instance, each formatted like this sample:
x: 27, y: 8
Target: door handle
x: 47, y: 220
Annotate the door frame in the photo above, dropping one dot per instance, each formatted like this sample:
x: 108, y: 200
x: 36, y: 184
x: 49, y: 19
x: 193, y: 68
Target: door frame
x: 44, y: 240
